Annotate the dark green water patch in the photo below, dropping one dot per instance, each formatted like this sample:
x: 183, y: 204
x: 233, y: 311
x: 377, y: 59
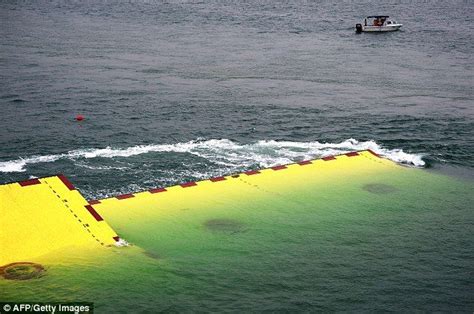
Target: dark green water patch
x: 22, y: 271
x: 152, y: 255
x: 224, y: 225
x: 379, y: 188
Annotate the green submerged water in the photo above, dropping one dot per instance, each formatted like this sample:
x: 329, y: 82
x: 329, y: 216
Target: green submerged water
x: 400, y: 241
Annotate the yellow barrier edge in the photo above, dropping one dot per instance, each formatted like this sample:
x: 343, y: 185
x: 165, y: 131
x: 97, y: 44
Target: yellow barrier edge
x: 86, y: 214
x: 369, y: 154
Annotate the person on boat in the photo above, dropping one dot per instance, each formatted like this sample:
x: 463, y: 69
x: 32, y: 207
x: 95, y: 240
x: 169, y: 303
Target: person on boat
x: 377, y: 22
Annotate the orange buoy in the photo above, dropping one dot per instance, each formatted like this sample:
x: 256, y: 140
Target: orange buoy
x: 79, y: 117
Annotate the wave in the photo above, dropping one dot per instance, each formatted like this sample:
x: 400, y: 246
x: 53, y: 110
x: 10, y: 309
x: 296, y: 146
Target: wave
x: 227, y: 153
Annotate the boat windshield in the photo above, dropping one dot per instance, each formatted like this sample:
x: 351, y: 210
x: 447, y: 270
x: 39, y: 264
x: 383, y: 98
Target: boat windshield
x: 379, y: 21
x: 376, y: 20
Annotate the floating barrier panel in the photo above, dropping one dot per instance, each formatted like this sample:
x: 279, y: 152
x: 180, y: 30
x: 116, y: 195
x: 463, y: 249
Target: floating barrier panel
x: 353, y: 225
x: 40, y: 216
x: 289, y: 184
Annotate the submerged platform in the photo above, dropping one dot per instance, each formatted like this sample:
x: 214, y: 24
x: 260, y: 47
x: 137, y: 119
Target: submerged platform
x: 348, y: 227
x: 41, y: 216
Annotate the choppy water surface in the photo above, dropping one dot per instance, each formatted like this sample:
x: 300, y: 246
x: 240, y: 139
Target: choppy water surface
x: 183, y: 90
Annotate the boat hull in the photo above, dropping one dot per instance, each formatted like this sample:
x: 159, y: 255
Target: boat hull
x: 379, y: 29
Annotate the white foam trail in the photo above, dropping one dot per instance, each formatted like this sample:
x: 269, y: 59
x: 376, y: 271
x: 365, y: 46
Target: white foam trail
x: 13, y: 166
x: 121, y: 243
x: 229, y: 154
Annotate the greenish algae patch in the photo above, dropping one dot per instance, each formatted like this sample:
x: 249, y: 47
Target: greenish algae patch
x: 22, y: 271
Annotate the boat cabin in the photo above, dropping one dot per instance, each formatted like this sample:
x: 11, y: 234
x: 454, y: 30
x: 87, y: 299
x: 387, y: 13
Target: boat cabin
x: 377, y: 20
x: 378, y: 23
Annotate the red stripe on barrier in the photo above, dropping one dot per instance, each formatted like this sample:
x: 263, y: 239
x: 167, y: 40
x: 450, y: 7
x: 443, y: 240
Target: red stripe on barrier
x: 116, y: 238
x: 252, y: 172
x: 93, y: 202
x: 124, y: 196
x: 352, y: 154
x: 188, y: 184
x: 29, y: 182
x: 279, y: 167
x: 158, y: 190
x: 329, y: 158
x: 94, y: 213
x: 305, y: 162
x: 373, y: 153
x: 66, y: 182
x: 217, y: 179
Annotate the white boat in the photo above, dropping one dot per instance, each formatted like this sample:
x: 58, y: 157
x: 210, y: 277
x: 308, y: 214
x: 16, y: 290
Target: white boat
x: 378, y: 23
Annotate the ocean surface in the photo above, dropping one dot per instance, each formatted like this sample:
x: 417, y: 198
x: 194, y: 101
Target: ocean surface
x: 186, y: 90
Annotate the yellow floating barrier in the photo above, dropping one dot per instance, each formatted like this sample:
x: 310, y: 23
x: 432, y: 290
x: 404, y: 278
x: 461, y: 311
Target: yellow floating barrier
x: 40, y: 216
x: 264, y: 185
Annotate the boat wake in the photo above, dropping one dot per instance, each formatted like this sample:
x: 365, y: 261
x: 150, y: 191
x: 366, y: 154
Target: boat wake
x: 226, y: 153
